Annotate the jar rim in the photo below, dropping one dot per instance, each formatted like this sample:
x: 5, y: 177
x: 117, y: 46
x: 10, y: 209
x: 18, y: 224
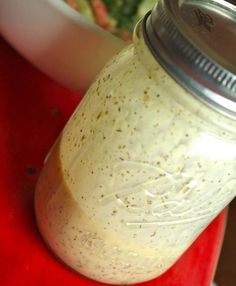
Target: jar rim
x: 204, y: 77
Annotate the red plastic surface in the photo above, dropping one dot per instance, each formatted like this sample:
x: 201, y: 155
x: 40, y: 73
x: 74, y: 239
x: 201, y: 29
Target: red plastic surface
x: 33, y: 110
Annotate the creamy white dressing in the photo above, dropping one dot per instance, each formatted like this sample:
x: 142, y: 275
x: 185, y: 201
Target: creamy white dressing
x: 137, y: 173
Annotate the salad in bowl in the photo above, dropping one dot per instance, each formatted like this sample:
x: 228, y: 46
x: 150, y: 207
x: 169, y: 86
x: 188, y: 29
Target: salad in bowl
x: 118, y: 17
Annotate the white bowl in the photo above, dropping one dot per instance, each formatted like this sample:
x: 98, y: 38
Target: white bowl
x: 57, y: 39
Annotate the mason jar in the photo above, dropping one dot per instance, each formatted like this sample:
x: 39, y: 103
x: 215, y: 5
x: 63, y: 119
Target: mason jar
x: 148, y: 159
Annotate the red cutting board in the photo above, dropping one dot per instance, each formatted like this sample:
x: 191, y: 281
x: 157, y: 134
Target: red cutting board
x: 33, y: 111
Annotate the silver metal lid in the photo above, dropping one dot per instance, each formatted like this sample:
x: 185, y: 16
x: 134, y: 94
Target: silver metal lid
x: 195, y: 41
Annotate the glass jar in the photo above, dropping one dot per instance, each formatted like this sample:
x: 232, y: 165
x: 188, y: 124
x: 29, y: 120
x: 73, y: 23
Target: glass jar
x: 145, y: 163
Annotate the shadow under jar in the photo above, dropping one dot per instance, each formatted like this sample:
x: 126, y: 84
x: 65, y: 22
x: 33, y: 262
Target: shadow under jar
x: 148, y: 158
